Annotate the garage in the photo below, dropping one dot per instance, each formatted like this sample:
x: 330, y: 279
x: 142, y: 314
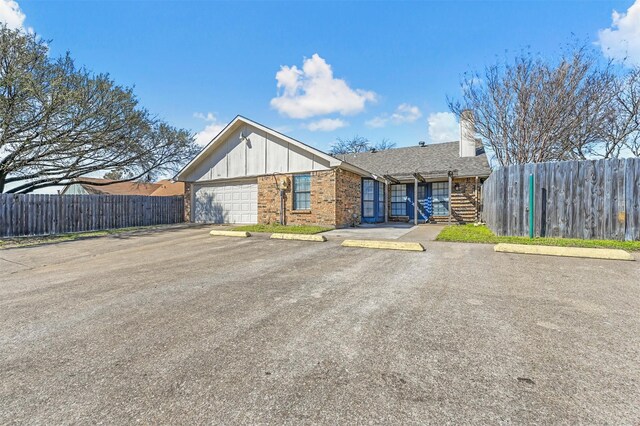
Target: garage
x: 229, y: 202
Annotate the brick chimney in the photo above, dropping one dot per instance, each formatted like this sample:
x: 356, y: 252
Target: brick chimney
x: 467, y: 134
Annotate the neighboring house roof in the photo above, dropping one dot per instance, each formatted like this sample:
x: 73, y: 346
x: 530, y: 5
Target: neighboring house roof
x: 431, y: 161
x: 239, y: 121
x: 162, y: 188
x: 168, y: 188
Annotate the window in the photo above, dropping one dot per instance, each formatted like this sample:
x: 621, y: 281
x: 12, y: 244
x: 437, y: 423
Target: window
x: 399, y: 200
x: 440, y: 191
x: 367, y: 198
x: 302, y: 192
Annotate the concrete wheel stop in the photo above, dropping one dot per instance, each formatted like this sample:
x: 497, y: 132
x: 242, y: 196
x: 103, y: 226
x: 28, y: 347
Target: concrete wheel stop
x: 589, y: 253
x: 299, y: 237
x: 220, y: 233
x: 384, y: 245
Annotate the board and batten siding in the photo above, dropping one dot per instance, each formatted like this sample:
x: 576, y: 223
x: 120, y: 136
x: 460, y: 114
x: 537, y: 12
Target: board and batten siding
x: 591, y: 199
x: 260, y: 154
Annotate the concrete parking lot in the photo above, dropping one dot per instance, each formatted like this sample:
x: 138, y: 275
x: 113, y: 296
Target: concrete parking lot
x: 180, y: 327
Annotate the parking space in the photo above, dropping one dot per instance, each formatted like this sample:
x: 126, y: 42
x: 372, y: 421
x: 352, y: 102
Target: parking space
x: 181, y: 327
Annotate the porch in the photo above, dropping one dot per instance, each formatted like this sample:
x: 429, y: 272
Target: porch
x: 373, y: 231
x: 421, y: 199
x: 388, y: 231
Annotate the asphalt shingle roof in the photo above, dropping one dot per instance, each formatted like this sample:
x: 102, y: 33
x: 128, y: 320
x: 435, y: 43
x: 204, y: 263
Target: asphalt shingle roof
x: 431, y: 161
x: 161, y: 188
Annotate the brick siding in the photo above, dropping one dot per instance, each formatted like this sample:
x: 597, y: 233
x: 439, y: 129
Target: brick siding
x: 323, y: 197
x: 348, y: 198
x: 463, y: 202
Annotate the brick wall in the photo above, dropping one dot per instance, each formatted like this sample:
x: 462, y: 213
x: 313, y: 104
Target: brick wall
x: 348, y: 198
x: 323, y: 197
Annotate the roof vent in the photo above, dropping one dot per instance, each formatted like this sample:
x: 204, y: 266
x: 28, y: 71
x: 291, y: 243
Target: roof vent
x: 422, y: 143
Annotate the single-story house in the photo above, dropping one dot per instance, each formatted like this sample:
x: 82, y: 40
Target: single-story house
x: 250, y: 174
x: 101, y: 186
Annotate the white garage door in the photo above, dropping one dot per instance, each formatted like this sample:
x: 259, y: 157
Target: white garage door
x: 231, y: 202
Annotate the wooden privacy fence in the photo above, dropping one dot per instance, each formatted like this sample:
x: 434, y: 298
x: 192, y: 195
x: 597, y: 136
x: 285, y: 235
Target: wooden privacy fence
x: 35, y: 214
x: 597, y: 199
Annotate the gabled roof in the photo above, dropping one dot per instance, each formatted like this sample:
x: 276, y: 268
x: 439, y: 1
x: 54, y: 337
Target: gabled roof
x: 160, y: 188
x: 115, y: 188
x: 166, y: 188
x: 240, y: 121
x: 431, y: 161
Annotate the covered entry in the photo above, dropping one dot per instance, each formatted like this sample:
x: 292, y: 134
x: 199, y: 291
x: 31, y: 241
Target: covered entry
x: 403, y: 200
x: 431, y: 199
x: 229, y: 202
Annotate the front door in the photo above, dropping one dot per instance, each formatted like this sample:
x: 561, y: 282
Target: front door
x: 372, y: 201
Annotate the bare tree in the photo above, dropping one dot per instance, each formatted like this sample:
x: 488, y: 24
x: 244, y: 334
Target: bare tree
x: 383, y: 145
x: 359, y: 144
x: 59, y: 122
x: 621, y: 127
x: 532, y: 110
x: 348, y: 146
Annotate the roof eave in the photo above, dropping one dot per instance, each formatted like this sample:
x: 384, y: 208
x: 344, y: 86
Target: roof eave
x: 354, y: 169
x: 180, y: 176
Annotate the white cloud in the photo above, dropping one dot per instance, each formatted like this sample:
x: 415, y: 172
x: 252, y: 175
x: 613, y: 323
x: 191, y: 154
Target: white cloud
x: 210, y: 131
x: 206, y: 117
x: 207, y: 134
x: 405, y: 113
x: 379, y: 121
x: 326, y: 125
x: 443, y: 127
x: 313, y: 91
x: 11, y: 15
x: 622, y: 40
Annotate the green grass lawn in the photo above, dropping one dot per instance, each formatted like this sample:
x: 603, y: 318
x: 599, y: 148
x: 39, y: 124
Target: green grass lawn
x: 11, y: 242
x: 284, y: 229
x: 481, y: 234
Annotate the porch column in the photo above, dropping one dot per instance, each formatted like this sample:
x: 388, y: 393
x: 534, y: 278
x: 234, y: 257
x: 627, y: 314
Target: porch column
x: 450, y: 175
x: 477, y: 201
x: 415, y: 200
x: 387, y: 198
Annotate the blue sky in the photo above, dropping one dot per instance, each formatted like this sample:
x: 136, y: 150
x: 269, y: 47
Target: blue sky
x: 377, y: 69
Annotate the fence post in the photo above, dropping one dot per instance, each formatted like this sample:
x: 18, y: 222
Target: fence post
x: 450, y: 173
x: 531, y: 205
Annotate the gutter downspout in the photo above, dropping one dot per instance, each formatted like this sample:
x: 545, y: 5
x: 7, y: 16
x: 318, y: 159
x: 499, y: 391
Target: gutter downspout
x: 282, y: 207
